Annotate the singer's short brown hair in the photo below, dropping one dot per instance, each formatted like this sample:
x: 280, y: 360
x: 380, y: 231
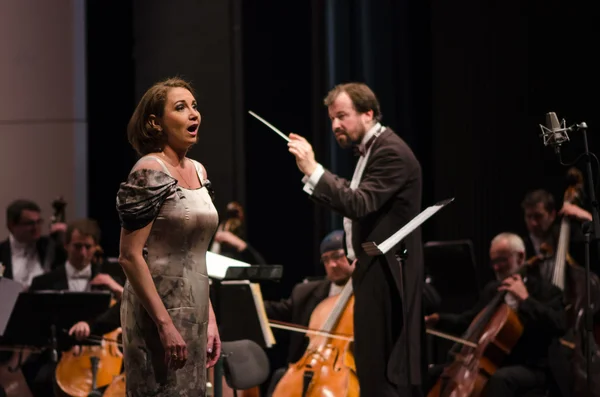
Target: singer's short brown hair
x: 362, y: 97
x: 141, y: 134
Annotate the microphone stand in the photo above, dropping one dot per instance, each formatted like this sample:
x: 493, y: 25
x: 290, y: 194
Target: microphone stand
x: 589, y: 229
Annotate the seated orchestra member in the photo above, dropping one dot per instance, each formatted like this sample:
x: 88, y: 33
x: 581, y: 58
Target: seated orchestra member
x: 230, y: 238
x: 76, y: 274
x: 540, y: 308
x: 543, y: 224
x: 107, y: 322
x: 26, y: 253
x: 305, y: 297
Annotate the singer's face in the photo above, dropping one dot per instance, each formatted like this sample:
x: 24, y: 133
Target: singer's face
x: 181, y: 118
x: 539, y: 220
x: 80, y: 250
x: 504, y: 260
x: 348, y: 125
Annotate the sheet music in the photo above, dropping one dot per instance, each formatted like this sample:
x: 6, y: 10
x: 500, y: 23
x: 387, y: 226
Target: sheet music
x: 395, y: 238
x: 260, y: 310
x: 217, y: 265
x: 262, y: 314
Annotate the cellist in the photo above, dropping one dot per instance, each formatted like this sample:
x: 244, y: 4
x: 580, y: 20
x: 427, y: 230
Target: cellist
x: 76, y: 274
x: 305, y: 297
x: 540, y: 308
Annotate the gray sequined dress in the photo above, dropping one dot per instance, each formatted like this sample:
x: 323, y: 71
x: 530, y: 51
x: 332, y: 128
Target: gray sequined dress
x: 184, y: 222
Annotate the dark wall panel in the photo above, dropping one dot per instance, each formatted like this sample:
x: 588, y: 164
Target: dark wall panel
x: 194, y: 40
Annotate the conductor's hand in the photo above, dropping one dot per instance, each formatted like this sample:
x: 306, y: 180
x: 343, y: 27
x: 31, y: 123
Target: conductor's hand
x: 174, y: 346
x: 514, y: 284
x: 305, y: 157
x: 80, y: 331
x: 213, y: 346
x: 432, y: 320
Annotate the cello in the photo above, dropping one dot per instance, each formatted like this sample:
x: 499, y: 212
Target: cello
x: 570, y: 278
x: 491, y: 336
x: 83, y: 370
x: 327, y: 367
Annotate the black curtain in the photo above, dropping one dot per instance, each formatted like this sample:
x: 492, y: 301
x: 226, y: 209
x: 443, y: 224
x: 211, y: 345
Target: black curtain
x: 465, y: 84
x: 497, y: 69
x: 385, y: 44
x: 110, y: 103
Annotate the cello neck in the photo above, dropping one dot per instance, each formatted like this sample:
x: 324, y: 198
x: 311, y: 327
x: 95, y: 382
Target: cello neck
x: 339, y: 307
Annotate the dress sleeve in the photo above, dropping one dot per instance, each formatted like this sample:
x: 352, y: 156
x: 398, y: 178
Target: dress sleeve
x: 141, y: 196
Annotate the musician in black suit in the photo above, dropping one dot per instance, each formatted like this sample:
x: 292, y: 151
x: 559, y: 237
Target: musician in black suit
x: 105, y: 323
x: 78, y: 274
x: 383, y: 195
x: 26, y: 254
x: 306, y: 296
x: 543, y: 222
x: 540, y: 308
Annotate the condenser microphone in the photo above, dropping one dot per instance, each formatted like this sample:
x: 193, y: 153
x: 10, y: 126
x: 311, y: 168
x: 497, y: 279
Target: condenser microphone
x: 554, y: 132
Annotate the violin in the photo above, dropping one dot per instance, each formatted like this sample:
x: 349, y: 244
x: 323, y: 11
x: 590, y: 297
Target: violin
x: 83, y: 370
x: 327, y: 367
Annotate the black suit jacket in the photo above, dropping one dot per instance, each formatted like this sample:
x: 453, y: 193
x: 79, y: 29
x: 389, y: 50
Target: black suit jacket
x: 387, y: 198
x: 56, y: 280
x: 51, y: 255
x: 297, y: 309
x: 108, y: 321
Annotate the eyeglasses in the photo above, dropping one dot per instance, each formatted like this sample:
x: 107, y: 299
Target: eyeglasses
x: 334, y: 256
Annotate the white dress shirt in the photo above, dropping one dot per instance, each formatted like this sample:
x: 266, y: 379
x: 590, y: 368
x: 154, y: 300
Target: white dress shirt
x: 78, y: 279
x: 26, y: 262
x: 311, y: 182
x: 335, y: 289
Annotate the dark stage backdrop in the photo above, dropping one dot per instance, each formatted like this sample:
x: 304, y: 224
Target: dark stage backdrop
x: 465, y: 84
x: 497, y: 69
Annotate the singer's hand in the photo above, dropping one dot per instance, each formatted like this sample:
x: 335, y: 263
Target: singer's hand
x: 305, y: 157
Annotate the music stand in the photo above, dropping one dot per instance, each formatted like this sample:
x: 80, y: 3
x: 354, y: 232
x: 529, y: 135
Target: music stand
x: 222, y: 268
x: 451, y: 267
x: 373, y: 249
x: 9, y: 292
x: 36, y: 317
